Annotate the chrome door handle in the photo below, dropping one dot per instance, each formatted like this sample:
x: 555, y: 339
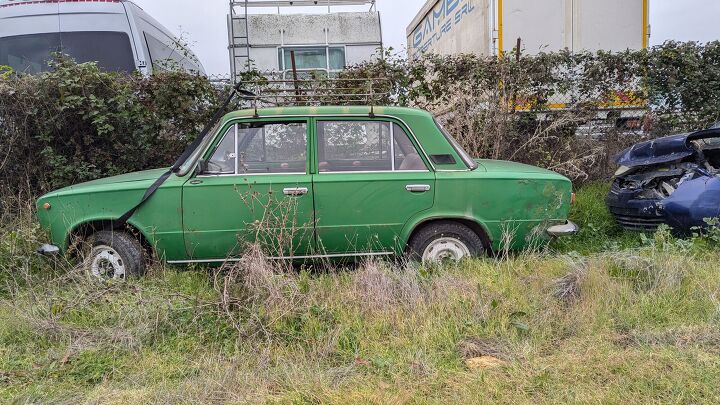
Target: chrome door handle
x: 295, y: 192
x: 417, y: 188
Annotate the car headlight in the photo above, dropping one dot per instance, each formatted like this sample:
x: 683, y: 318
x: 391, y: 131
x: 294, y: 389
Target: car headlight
x: 623, y: 170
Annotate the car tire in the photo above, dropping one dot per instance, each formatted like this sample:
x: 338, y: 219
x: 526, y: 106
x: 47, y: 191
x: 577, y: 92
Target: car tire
x: 114, y: 255
x: 445, y: 240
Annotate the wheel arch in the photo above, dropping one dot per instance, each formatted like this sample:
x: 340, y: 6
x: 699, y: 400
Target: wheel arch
x: 84, y: 230
x: 476, y: 226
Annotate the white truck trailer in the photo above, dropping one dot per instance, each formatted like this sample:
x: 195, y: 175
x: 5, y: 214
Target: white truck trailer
x: 492, y: 27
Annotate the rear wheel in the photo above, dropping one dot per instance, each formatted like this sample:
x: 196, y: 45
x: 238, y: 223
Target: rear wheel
x: 114, y: 255
x: 445, y: 241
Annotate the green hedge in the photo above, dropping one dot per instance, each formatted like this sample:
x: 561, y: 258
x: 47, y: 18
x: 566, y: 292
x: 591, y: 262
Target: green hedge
x: 77, y: 123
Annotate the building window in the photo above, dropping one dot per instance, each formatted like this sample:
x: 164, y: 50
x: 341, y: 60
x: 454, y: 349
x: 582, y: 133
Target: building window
x: 328, y: 59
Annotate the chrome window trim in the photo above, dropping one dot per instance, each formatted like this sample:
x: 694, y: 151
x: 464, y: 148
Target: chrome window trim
x: 237, y: 155
x: 205, y: 176
x: 377, y: 171
x: 231, y: 260
x: 238, y: 120
x: 392, y: 145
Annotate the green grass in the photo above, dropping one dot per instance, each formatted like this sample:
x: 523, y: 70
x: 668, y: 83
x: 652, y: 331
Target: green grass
x: 607, y: 317
x: 598, y: 230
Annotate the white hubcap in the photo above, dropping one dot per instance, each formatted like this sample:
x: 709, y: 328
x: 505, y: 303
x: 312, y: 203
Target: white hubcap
x: 445, y: 248
x: 105, y: 263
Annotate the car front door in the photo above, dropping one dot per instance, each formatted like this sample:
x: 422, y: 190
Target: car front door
x: 254, y: 186
x: 371, y: 180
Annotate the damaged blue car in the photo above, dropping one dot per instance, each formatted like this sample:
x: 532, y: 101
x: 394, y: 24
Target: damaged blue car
x: 672, y: 180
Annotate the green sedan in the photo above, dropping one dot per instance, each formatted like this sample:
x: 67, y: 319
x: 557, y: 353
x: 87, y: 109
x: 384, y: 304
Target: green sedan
x: 310, y: 182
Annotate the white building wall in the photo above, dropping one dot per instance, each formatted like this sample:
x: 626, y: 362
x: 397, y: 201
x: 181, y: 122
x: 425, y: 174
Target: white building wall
x: 359, y: 32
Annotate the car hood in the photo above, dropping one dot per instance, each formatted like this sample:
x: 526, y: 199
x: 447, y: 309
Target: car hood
x: 664, y: 150
x: 115, y: 180
x: 656, y: 151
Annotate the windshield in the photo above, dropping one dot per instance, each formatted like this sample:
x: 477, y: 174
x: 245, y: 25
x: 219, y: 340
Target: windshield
x: 190, y: 162
x: 469, y: 162
x: 30, y: 54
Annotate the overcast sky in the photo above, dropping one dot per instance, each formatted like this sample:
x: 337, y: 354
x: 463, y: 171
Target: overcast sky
x: 203, y: 23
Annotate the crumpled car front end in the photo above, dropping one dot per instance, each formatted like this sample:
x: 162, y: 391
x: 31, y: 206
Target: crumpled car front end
x: 671, y: 181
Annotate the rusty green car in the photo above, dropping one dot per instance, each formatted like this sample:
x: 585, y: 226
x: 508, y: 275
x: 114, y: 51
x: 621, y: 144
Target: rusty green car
x: 309, y: 182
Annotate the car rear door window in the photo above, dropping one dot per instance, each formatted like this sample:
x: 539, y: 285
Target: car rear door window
x: 365, y: 146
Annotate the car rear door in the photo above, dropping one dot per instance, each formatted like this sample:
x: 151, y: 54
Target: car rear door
x: 257, y: 188
x: 371, y: 180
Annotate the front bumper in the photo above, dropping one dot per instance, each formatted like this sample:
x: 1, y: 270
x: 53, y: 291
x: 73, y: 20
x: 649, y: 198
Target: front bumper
x: 567, y: 229
x: 48, y: 250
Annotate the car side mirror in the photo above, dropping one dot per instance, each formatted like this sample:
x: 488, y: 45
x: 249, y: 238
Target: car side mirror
x: 202, y: 167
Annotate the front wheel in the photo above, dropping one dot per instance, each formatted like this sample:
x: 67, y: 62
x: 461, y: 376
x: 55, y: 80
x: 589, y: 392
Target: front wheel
x: 445, y: 241
x: 114, y: 255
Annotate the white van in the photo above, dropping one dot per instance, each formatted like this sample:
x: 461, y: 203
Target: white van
x: 117, y: 34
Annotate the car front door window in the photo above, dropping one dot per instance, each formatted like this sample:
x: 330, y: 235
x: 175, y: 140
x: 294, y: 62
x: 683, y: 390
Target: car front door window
x: 261, y: 148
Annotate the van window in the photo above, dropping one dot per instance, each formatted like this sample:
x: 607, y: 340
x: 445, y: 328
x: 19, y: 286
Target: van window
x: 28, y: 53
x: 31, y: 53
x: 172, y: 56
x: 111, y: 50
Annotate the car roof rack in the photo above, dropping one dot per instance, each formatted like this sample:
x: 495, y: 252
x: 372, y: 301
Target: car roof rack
x: 339, y: 91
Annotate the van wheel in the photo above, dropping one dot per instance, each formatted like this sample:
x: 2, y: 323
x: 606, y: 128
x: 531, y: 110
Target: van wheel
x: 445, y: 241
x: 114, y: 255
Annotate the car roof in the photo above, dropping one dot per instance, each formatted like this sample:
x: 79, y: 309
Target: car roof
x: 328, y: 110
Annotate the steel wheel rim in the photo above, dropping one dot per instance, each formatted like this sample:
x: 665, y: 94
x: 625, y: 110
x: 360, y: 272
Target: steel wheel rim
x: 446, y: 249
x: 106, y: 264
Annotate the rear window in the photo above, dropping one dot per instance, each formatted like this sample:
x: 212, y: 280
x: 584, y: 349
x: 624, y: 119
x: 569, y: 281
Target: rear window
x: 30, y: 54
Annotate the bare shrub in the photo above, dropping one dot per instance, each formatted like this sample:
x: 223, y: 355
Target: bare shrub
x: 275, y: 222
x: 377, y: 287
x: 257, y: 288
x: 569, y: 287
